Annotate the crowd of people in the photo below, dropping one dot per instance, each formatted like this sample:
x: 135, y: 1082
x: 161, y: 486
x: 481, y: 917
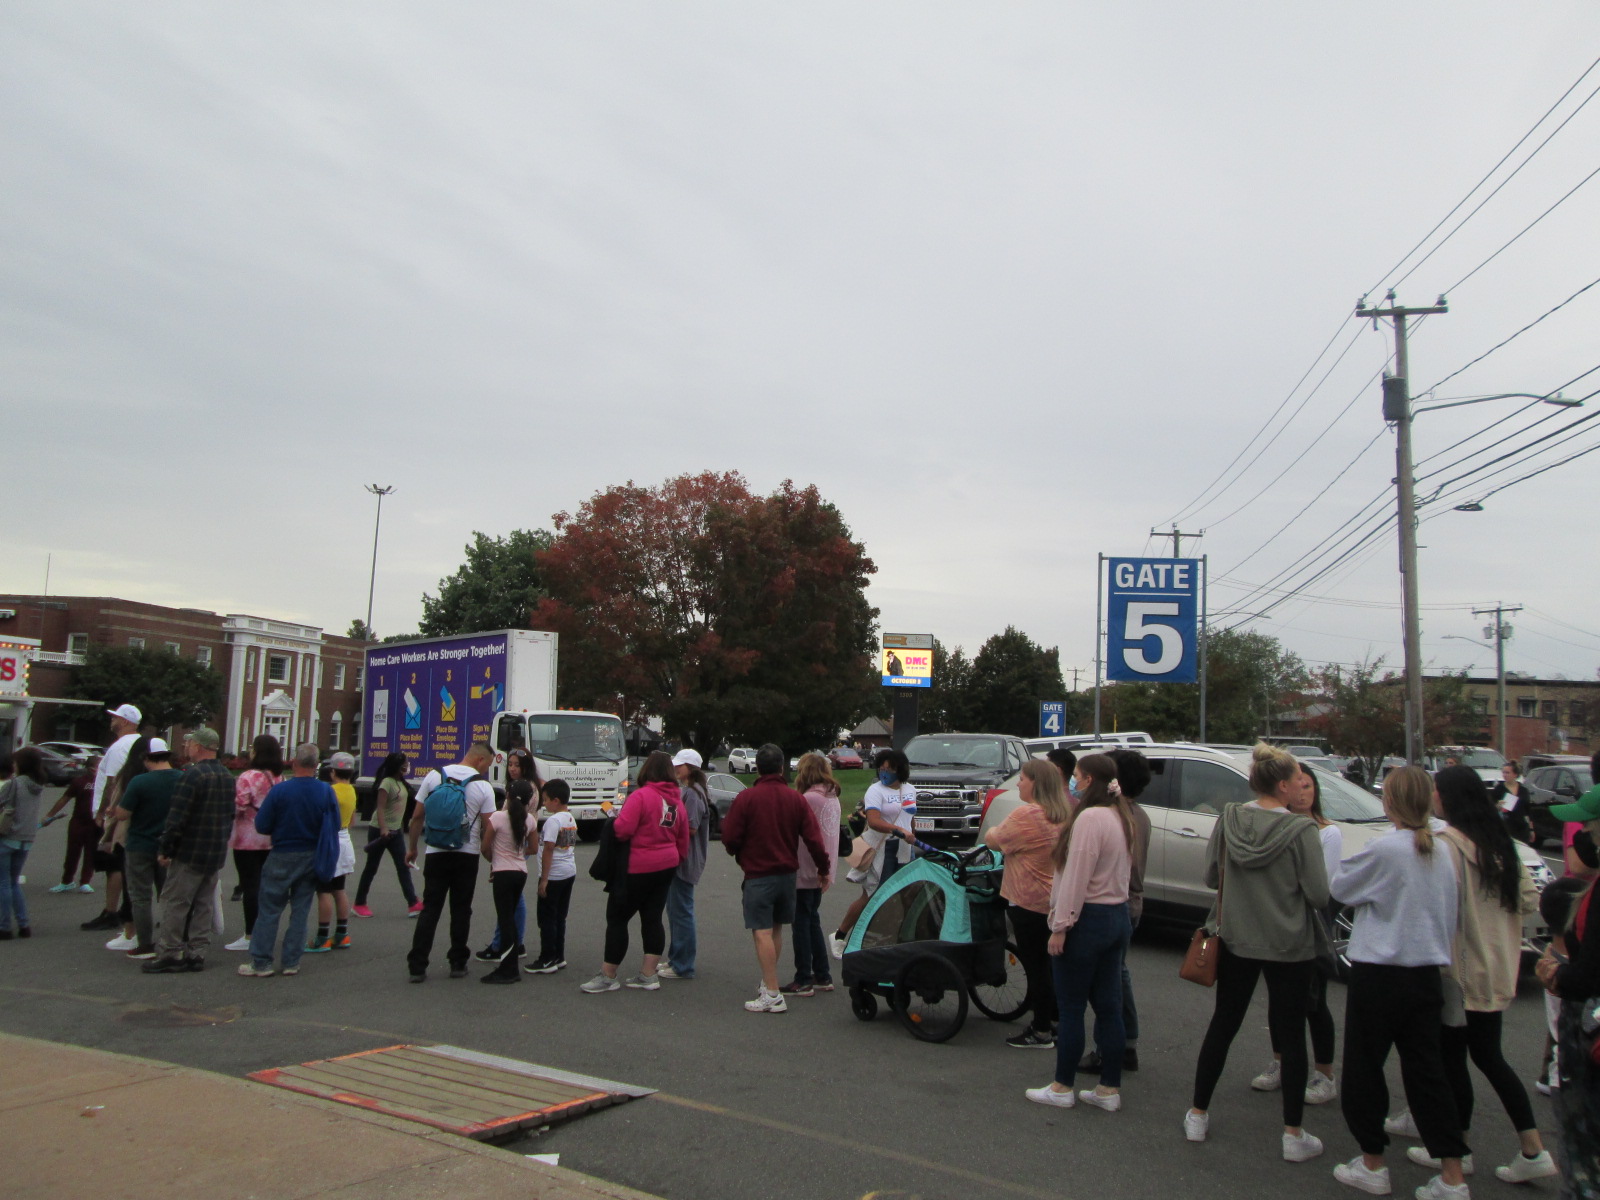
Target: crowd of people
x: 1434, y: 947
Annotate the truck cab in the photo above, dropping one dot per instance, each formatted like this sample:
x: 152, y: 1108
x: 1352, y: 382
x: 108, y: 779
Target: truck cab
x: 586, y: 749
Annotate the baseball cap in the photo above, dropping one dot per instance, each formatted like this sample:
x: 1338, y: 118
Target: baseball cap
x: 127, y: 712
x: 157, y: 746
x: 203, y: 737
x: 342, y: 761
x: 1585, y: 808
x: 687, y: 757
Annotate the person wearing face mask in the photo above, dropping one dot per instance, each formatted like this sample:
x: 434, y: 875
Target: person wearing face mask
x: 890, y: 806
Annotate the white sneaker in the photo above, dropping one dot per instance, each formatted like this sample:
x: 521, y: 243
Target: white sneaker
x: 1363, y: 1178
x: 1550, y: 1081
x: 1402, y: 1125
x: 1302, y: 1148
x: 250, y: 971
x: 1195, y: 1125
x: 836, y: 943
x: 601, y: 983
x: 855, y: 875
x: 84, y: 890
x: 667, y: 973
x: 767, y: 1002
x: 645, y: 983
x: 1437, y: 1189
x: 1051, y: 1098
x: 1111, y: 1102
x: 1321, y: 1089
x: 65, y: 887
x: 121, y: 942
x: 1269, y: 1080
x: 1420, y: 1156
x: 1522, y: 1168
x: 242, y: 943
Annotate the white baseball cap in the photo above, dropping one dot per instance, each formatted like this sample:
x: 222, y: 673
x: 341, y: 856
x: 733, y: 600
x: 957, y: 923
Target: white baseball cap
x: 687, y: 757
x: 127, y: 712
x: 157, y: 746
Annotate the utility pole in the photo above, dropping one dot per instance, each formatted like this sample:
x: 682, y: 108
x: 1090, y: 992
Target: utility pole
x: 1075, y: 673
x: 1177, y: 535
x: 372, y: 582
x: 1397, y: 411
x: 1502, y: 631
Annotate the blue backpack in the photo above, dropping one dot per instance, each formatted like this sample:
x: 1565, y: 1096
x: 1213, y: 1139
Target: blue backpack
x: 444, y: 813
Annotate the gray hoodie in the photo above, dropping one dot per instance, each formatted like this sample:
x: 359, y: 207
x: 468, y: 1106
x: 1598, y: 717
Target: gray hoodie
x: 1273, y: 884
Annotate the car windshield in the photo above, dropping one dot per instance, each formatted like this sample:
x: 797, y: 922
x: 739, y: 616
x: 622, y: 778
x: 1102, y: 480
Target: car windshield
x: 1344, y: 801
x: 576, y: 737
x: 1483, y: 758
x: 975, y: 753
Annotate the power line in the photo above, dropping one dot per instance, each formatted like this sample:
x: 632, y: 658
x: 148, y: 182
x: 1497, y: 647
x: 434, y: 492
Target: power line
x: 1515, y: 237
x: 1532, y: 474
x: 1517, y: 334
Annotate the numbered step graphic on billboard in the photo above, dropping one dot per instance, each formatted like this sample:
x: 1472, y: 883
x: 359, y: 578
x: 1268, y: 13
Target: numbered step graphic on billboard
x: 1152, y: 619
x: 432, y: 701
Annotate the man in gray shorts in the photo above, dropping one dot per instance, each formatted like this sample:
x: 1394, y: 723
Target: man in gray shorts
x: 763, y: 831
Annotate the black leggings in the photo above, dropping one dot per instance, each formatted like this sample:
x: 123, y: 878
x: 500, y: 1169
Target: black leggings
x: 1480, y: 1038
x: 1288, y: 991
x: 646, y: 895
x: 1319, y: 1020
x: 507, y: 887
x: 248, y: 863
x: 1032, y: 931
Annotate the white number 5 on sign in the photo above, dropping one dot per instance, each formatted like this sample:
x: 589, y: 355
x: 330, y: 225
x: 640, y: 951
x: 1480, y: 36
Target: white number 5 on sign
x: 1138, y: 628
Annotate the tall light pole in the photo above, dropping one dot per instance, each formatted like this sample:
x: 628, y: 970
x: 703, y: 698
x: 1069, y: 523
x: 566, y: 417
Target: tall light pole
x: 380, y: 492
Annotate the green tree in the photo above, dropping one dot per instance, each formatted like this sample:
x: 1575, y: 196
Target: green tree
x: 1250, y: 678
x: 1011, y: 674
x: 166, y: 688
x: 946, y: 706
x: 1362, y: 711
x: 361, y: 631
x: 496, y: 588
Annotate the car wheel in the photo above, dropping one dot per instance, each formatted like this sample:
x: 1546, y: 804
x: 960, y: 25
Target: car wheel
x: 589, y: 831
x: 1343, y: 923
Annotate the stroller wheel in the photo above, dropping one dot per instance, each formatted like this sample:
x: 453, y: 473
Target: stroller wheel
x: 930, y: 998
x: 863, y: 1003
x: 1008, y: 1000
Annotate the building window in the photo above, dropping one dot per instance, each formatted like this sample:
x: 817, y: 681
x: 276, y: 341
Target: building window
x: 203, y: 656
x: 277, y: 668
x: 135, y: 643
x: 361, y: 678
x: 322, y: 671
x: 338, y: 677
x: 1547, y: 710
x: 1580, y: 713
x: 1480, y: 705
x: 174, y: 648
x: 77, y: 643
x: 336, y: 731
x: 1527, y: 707
x: 249, y: 666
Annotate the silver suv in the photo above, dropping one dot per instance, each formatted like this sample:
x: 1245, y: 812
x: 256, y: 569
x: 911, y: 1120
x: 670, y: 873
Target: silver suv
x: 1191, y: 785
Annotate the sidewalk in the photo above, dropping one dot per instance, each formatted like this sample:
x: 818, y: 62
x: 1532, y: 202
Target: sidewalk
x: 85, y: 1122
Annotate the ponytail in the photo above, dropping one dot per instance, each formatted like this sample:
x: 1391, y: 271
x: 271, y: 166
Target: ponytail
x: 1408, y: 798
x: 517, y: 815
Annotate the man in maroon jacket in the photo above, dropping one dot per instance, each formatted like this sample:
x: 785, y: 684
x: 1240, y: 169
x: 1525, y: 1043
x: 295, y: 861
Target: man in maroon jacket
x: 763, y: 831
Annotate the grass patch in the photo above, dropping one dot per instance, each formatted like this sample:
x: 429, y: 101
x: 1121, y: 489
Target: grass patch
x: 853, y: 786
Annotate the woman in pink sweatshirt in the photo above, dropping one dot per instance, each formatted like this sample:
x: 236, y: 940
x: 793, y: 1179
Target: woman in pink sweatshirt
x: 1089, y: 932
x: 656, y: 830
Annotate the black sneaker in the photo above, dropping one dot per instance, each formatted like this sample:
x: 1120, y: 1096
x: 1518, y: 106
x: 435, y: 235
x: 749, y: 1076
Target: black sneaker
x: 499, y: 977
x: 487, y: 954
x: 458, y: 972
x: 539, y: 967
x: 194, y: 964
x: 106, y: 920
x: 1032, y: 1039
x: 419, y: 977
x: 1090, y: 1062
x: 164, y: 966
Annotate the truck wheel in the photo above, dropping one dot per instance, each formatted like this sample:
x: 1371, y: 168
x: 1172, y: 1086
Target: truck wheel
x: 589, y: 831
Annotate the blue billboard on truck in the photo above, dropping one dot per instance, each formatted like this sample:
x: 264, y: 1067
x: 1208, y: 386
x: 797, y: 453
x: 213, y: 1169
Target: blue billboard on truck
x: 433, y: 699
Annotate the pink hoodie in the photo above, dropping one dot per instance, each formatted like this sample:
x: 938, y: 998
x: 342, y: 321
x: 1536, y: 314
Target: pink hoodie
x: 653, y: 845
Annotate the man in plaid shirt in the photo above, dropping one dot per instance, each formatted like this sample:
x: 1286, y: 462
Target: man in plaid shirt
x: 194, y: 847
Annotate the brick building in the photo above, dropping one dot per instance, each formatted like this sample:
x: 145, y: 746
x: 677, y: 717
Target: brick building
x: 294, y: 681
x: 1559, y: 716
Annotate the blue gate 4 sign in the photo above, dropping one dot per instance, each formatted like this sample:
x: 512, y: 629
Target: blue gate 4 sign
x: 1152, y: 607
x: 1052, y: 717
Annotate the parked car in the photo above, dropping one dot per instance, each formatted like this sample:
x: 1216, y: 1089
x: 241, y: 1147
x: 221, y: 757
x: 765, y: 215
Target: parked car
x: 1482, y: 759
x: 82, y: 751
x: 954, y: 774
x: 58, y: 768
x: 743, y: 759
x: 845, y: 758
x: 721, y: 789
x: 1191, y: 785
x: 1559, y: 784
x: 1039, y: 747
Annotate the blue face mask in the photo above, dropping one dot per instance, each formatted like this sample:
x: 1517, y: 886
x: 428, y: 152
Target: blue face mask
x: 888, y: 778
x: 1072, y: 786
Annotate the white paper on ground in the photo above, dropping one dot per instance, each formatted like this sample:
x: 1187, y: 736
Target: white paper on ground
x: 553, y: 1160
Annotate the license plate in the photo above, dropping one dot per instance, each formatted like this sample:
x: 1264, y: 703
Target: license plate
x: 921, y: 824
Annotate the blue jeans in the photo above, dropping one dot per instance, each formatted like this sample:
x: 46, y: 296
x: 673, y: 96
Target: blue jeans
x: 522, y: 922
x: 680, y: 922
x: 288, y: 880
x: 12, y: 856
x: 1088, y: 971
x: 810, y: 947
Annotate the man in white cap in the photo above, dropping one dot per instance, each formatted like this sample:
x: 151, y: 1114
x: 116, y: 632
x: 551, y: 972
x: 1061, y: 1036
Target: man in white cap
x: 125, y: 720
x: 689, y: 767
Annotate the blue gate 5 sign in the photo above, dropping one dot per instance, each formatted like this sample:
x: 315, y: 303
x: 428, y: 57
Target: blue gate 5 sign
x: 1152, y: 606
x: 1052, y: 717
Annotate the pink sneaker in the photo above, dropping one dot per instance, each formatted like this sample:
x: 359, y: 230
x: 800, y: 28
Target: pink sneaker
x: 414, y: 909
x: 361, y: 910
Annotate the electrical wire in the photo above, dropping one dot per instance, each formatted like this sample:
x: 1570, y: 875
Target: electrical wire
x: 1564, y: 624
x: 1517, y: 236
x: 1532, y: 474
x: 1517, y: 334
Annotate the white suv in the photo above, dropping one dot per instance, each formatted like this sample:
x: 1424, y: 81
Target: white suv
x: 742, y: 760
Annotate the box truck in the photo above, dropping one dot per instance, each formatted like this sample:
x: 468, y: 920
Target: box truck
x: 431, y: 698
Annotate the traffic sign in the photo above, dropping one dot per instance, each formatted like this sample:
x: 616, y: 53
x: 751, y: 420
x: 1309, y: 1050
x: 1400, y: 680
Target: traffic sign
x: 1052, y: 718
x: 1151, y: 619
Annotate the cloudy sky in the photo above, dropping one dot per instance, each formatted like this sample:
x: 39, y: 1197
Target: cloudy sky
x: 1010, y: 283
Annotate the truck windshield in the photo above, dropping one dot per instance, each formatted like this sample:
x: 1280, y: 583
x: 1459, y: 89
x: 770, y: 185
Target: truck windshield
x: 576, y: 737
x: 973, y: 753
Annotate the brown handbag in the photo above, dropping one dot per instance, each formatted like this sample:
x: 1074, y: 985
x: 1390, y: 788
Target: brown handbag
x: 1200, y: 960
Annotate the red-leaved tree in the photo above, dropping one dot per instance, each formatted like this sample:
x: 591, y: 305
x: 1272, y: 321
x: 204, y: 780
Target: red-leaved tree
x: 725, y: 613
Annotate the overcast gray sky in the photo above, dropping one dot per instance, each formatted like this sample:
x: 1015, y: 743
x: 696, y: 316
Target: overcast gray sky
x: 1010, y: 283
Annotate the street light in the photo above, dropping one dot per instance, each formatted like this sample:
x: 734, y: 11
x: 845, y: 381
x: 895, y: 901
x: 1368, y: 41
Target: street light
x: 1555, y: 398
x: 380, y: 492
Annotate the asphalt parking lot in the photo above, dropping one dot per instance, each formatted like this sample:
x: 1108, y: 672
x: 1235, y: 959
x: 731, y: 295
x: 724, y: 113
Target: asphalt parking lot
x: 811, y: 1104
